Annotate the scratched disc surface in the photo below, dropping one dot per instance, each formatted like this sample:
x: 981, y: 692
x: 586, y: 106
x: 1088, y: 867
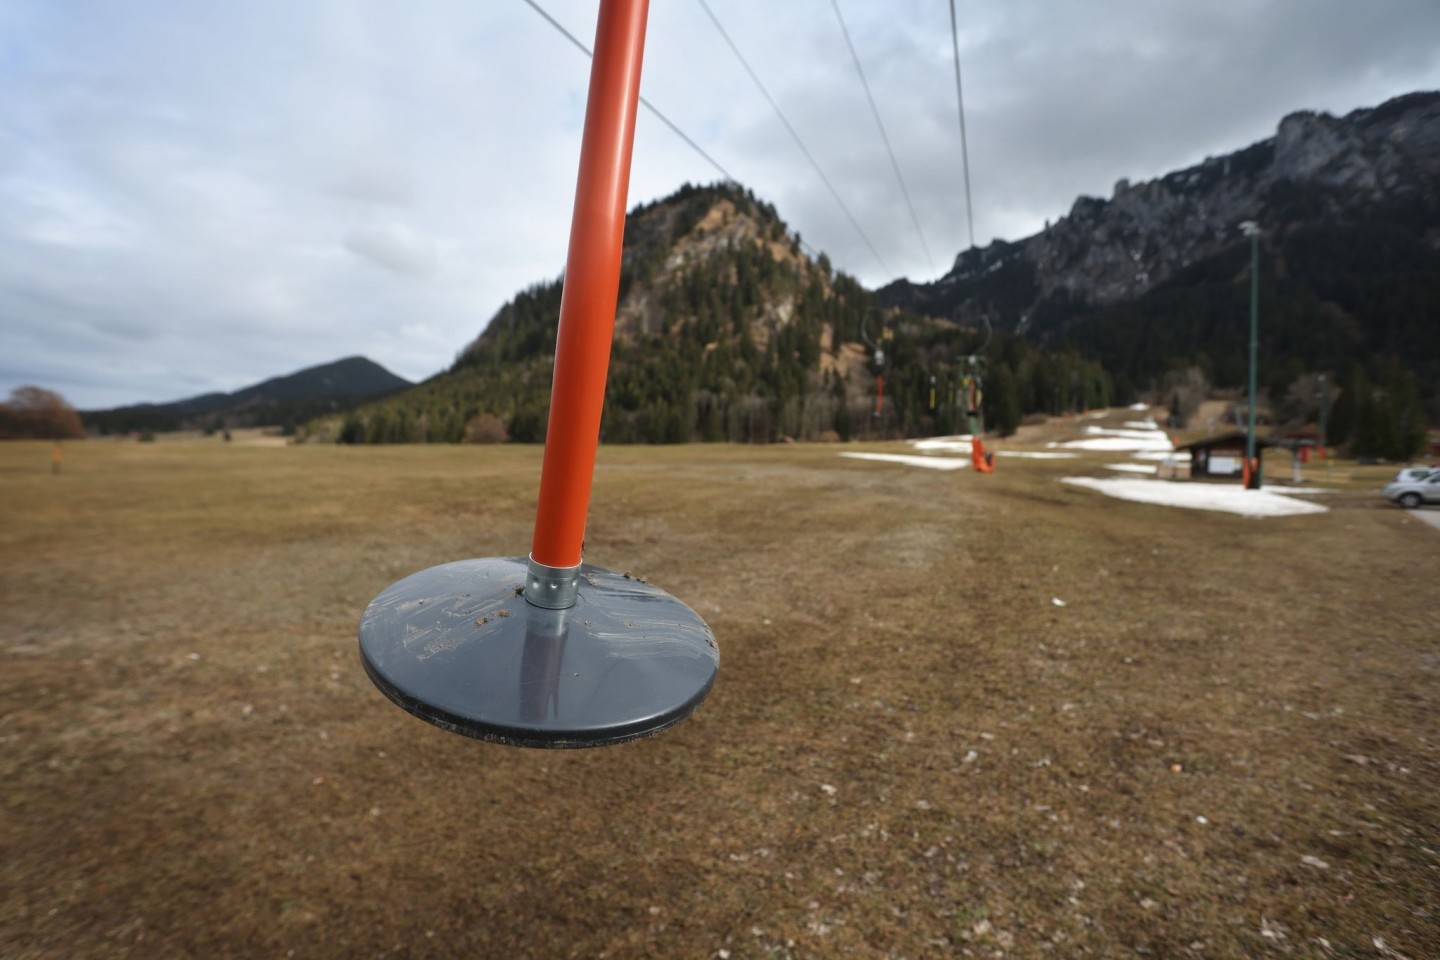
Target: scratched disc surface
x: 458, y: 646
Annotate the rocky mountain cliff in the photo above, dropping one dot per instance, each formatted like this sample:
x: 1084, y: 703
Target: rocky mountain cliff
x: 691, y: 259
x: 1317, y: 169
x: 1154, y: 283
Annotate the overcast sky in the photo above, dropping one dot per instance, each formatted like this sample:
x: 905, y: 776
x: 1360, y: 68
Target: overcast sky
x: 197, y: 196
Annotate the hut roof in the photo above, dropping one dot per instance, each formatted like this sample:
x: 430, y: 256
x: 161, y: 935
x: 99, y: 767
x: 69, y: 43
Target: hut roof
x: 1236, y: 439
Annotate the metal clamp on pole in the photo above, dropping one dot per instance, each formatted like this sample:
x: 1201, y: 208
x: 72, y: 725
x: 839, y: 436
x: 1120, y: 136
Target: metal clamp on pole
x: 554, y: 588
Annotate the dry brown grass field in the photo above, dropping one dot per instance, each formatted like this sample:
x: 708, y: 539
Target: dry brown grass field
x: 1225, y: 744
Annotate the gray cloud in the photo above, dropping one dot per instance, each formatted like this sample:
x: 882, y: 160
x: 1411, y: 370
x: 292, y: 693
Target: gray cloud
x: 376, y: 184
x: 393, y: 247
x: 201, y: 197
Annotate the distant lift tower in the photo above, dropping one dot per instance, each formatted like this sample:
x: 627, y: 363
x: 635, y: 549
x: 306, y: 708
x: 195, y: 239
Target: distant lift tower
x: 878, y: 350
x: 972, y: 384
x: 972, y: 394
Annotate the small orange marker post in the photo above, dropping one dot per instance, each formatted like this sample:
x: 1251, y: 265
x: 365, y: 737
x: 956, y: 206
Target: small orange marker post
x: 55, y: 457
x: 981, y: 460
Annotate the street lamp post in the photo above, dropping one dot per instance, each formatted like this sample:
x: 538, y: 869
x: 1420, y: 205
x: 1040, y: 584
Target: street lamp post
x: 1252, y: 230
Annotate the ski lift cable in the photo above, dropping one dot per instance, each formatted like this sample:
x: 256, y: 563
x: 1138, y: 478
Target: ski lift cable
x: 864, y: 325
x: 960, y: 100
x: 654, y: 110
x: 793, y: 134
x: 884, y: 137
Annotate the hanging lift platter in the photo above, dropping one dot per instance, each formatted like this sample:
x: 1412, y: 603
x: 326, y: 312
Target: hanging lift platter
x: 459, y: 646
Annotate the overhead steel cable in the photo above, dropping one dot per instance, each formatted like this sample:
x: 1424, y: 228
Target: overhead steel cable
x: 643, y: 102
x: 960, y: 99
x: 875, y: 112
x: 795, y: 136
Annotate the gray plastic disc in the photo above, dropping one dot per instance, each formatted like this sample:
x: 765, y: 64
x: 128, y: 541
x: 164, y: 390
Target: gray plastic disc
x: 458, y: 646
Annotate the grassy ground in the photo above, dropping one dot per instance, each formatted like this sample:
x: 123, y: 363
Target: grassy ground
x: 1223, y: 745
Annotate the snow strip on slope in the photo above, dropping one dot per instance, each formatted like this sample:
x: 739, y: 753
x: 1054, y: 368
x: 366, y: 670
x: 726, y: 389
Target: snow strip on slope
x: 1037, y: 455
x: 956, y: 444
x: 1157, y: 443
x: 1143, y: 433
x: 963, y: 444
x: 934, y: 463
x: 1231, y: 498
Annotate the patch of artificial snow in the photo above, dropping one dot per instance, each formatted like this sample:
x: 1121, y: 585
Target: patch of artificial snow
x: 1131, y: 467
x: 1038, y: 455
x: 1148, y: 433
x: 964, y: 443
x: 1138, y: 406
x: 956, y: 444
x: 1303, y: 491
x: 1231, y: 498
x: 1146, y: 424
x: 934, y: 463
x: 1155, y: 455
x: 1157, y: 442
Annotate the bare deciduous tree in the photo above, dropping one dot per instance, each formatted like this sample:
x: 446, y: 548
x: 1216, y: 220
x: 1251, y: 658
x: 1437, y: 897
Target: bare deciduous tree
x: 1184, y: 391
x: 37, y: 413
x: 486, y: 428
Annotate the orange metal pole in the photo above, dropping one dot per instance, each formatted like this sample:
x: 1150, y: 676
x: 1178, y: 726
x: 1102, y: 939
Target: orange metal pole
x: 592, y: 281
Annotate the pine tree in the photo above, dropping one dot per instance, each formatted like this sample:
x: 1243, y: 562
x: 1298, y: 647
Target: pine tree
x: 842, y: 418
x: 1005, y: 400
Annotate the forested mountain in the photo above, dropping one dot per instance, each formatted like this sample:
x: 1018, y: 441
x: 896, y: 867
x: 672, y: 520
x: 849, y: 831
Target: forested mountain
x: 1157, y: 277
x: 290, y: 399
x: 727, y: 330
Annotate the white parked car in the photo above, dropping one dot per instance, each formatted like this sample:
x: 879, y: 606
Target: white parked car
x: 1412, y: 493
x: 1414, y: 473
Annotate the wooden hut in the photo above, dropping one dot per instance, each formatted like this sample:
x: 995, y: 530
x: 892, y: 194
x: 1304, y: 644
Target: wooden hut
x: 1221, y: 457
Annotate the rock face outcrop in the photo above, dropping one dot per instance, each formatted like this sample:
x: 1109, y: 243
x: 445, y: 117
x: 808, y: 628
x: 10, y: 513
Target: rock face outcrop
x: 1316, y: 168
